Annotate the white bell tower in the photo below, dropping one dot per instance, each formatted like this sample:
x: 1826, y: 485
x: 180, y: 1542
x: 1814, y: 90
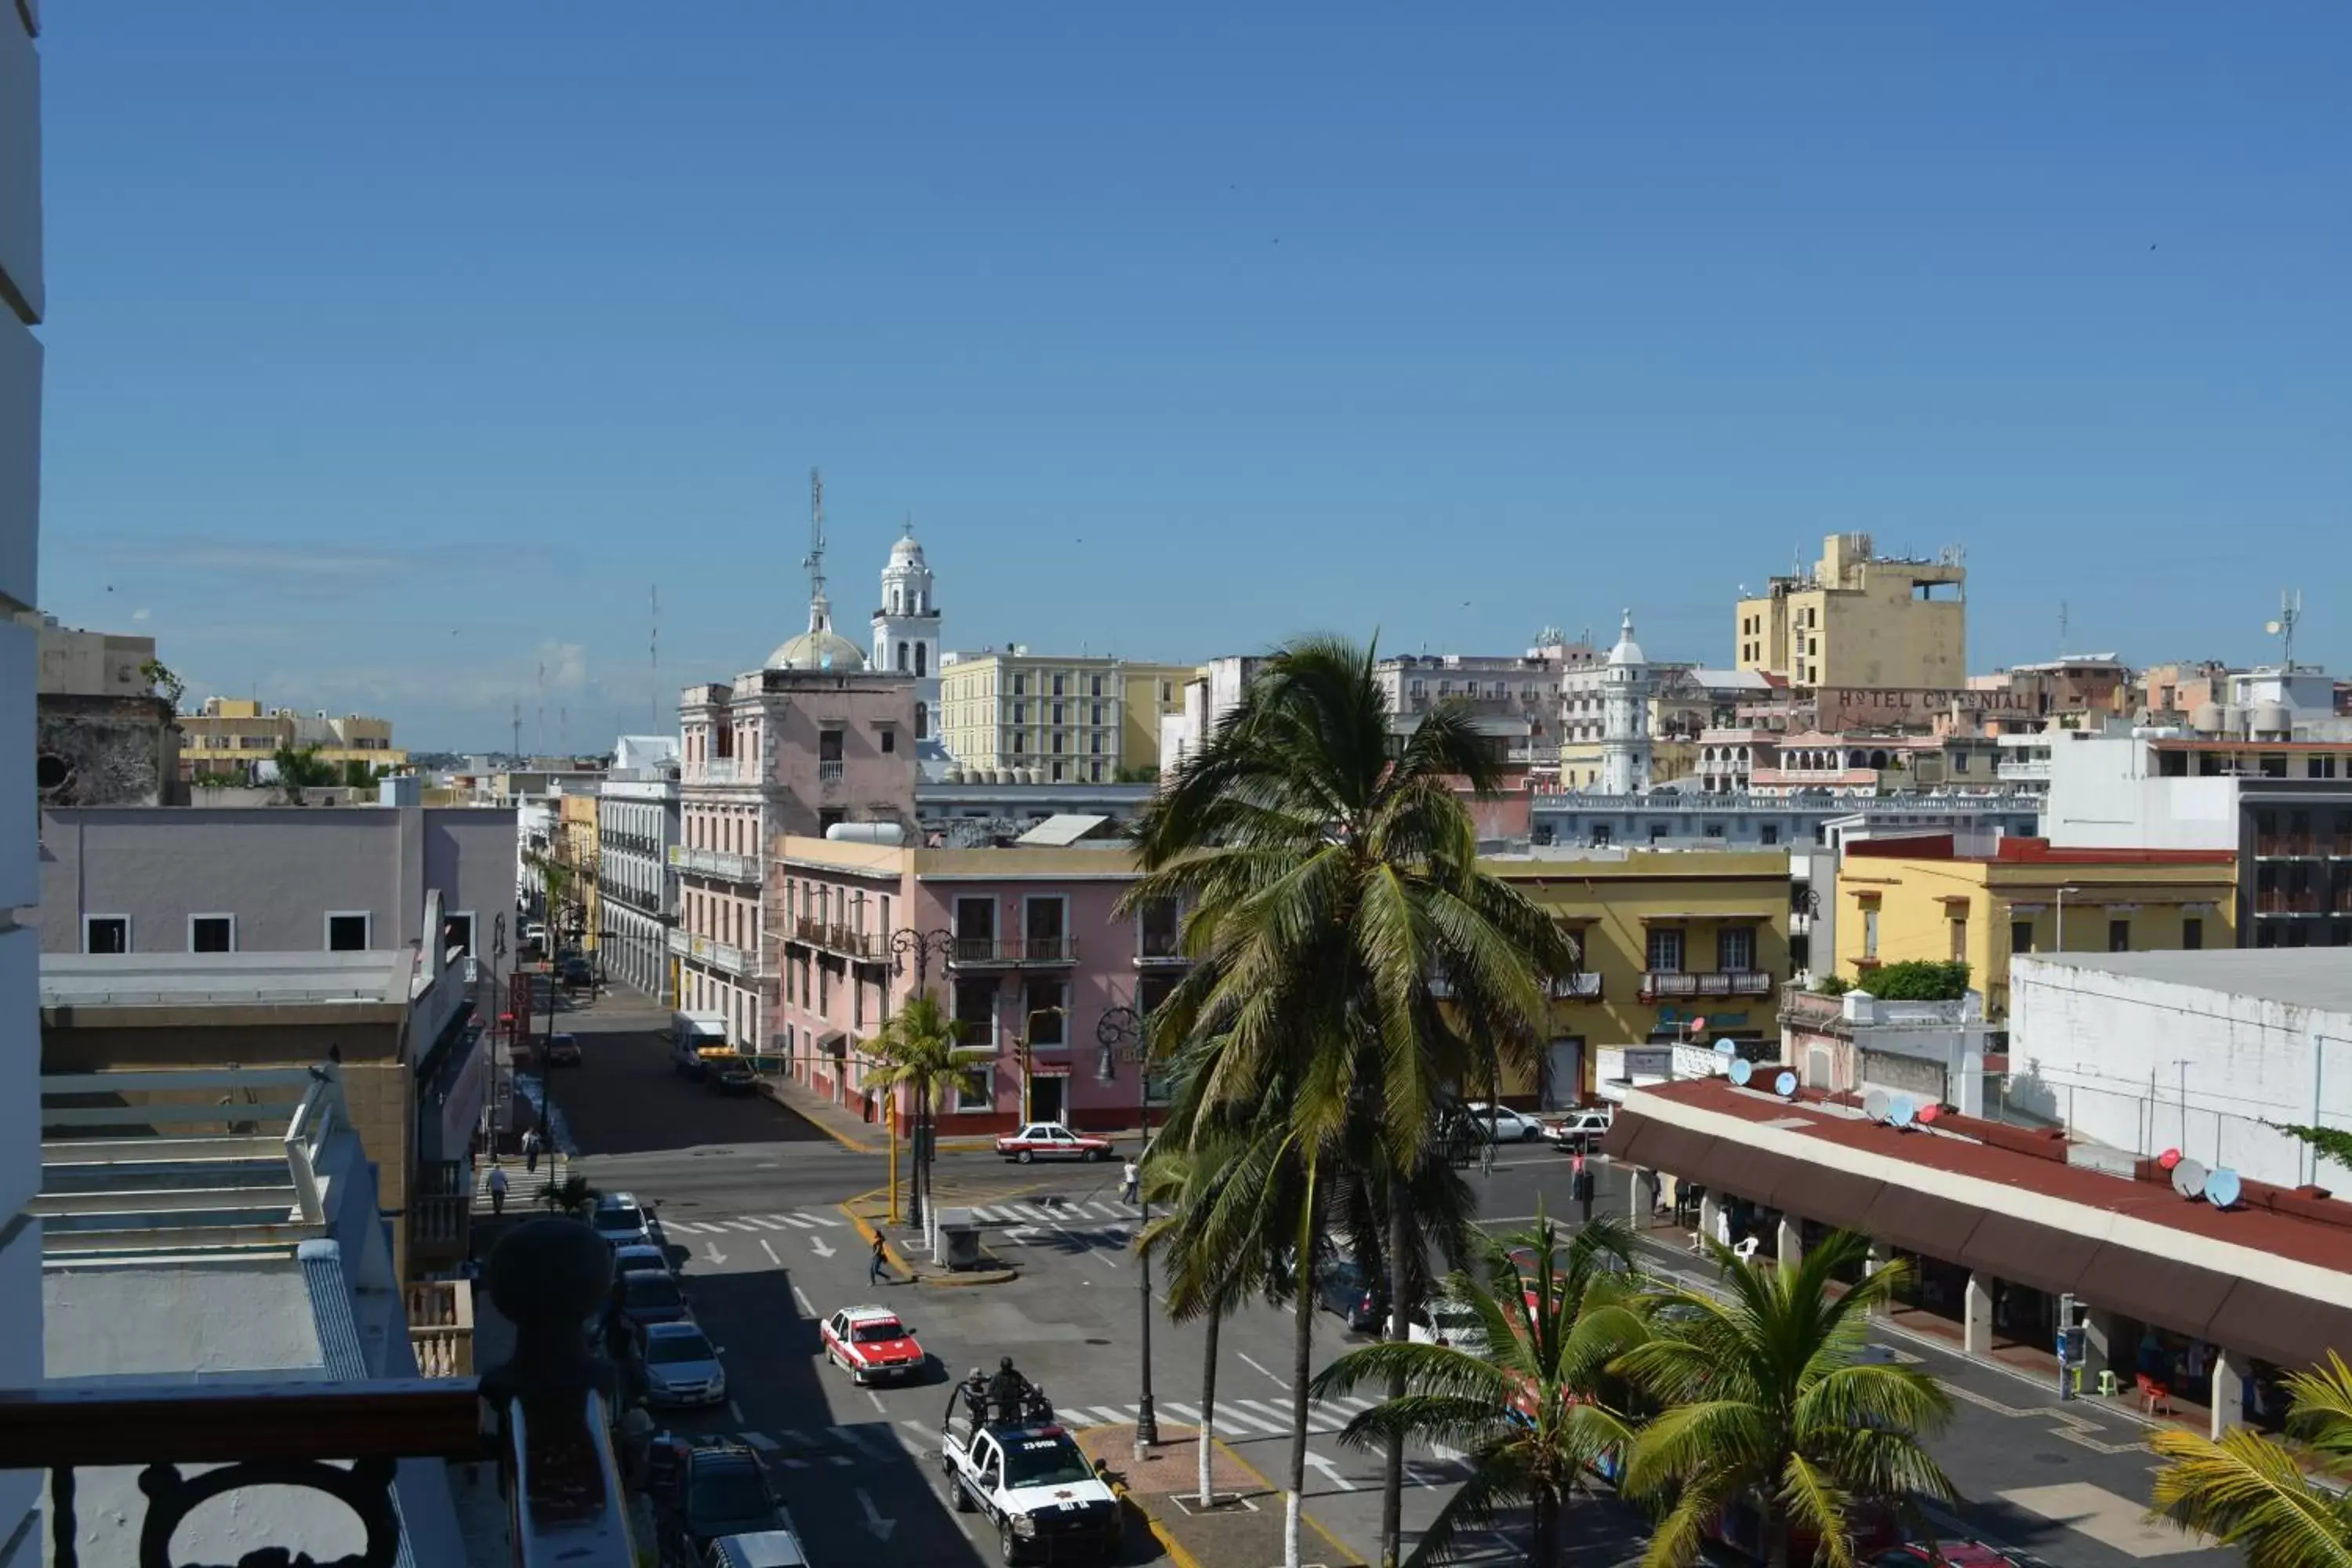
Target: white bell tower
x: 907, y: 631
x: 1625, y: 689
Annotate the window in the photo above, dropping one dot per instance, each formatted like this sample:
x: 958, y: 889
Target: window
x: 2020, y: 936
x: 2192, y: 932
x: 211, y: 933
x: 1058, y: 718
x: 975, y: 1014
x: 1059, y: 737
x: 1020, y: 685
x: 828, y: 746
x: 889, y: 738
x: 922, y: 659
x: 106, y: 933
x: 1666, y: 949
x: 1093, y: 688
x: 1058, y: 767
x: 2119, y: 936
x: 1958, y: 950
x: 348, y: 931
x: 1098, y: 711
x: 1045, y: 924
x: 1157, y: 926
x: 1167, y: 691
x: 1021, y: 712
x: 1094, y: 745
x: 1057, y: 687
x: 922, y: 721
x: 1735, y: 949
x: 457, y: 932
x: 1870, y: 935
x: 902, y: 655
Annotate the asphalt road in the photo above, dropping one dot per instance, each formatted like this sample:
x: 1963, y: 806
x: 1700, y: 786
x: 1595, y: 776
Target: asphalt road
x: 750, y: 1189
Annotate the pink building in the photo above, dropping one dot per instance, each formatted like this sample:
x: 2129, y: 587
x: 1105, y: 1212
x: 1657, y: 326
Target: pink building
x: 1019, y: 945
x: 809, y: 740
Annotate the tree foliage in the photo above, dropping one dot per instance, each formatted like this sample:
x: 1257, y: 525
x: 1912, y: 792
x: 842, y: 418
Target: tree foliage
x: 2251, y: 1492
x: 1918, y: 980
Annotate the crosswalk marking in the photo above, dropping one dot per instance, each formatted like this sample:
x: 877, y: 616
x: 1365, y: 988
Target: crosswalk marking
x: 866, y: 1442
x: 824, y: 1219
x: 1318, y: 1419
x: 798, y: 1440
x: 844, y: 1460
x: 1230, y: 1419
x: 1110, y: 1412
x: 990, y: 1216
x: 764, y: 1224
x: 794, y: 1220
x: 792, y: 1464
x: 1183, y: 1412
x: 744, y: 1226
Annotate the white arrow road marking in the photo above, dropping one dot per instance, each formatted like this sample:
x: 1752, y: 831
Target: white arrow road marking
x: 770, y: 1252
x: 1330, y: 1470
x: 822, y: 1249
x: 801, y: 1296
x: 880, y: 1526
x: 1278, y: 1383
x: 710, y: 1250
x: 878, y: 1402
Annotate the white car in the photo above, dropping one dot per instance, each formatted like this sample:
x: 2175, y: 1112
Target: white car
x: 1447, y: 1321
x: 1578, y: 1129
x: 1501, y: 1124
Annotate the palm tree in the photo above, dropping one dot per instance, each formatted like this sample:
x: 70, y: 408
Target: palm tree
x: 2251, y: 1491
x: 298, y: 768
x: 1223, y: 1238
x: 1346, y: 945
x: 919, y: 1048
x: 1766, y: 1401
x: 1535, y: 1408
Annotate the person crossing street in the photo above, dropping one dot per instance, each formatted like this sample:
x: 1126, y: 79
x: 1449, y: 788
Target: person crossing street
x: 1130, y: 1182
x: 497, y: 1191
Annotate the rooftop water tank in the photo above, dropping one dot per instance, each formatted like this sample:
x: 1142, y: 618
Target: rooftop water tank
x: 888, y: 833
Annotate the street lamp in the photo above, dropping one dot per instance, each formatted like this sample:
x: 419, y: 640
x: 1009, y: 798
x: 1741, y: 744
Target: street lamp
x: 1121, y: 1031
x: 922, y: 944
x: 2062, y: 915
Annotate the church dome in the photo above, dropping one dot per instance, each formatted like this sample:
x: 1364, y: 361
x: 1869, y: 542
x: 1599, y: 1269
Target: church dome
x: 1627, y: 651
x: 817, y: 651
x: 906, y: 552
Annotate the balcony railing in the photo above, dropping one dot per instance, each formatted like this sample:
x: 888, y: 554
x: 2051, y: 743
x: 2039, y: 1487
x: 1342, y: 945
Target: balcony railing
x: 1584, y: 986
x: 720, y: 770
x: 718, y: 863
x: 1158, y: 948
x: 2283, y: 902
x: 828, y: 773
x: 723, y: 955
x: 2285, y: 846
x: 1012, y: 953
x: 441, y: 1327
x: 1716, y: 982
x: 542, y: 1416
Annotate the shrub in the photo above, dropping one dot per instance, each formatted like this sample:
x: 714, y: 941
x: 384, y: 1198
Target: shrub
x: 1918, y: 980
x: 1832, y: 986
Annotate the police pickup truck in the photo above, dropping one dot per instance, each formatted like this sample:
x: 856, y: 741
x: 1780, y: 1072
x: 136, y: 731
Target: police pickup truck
x: 1030, y: 1478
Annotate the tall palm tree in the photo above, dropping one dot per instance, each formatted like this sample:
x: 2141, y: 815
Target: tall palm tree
x: 919, y: 1048
x: 2251, y: 1491
x: 1345, y: 944
x: 1534, y: 1406
x: 1767, y: 1402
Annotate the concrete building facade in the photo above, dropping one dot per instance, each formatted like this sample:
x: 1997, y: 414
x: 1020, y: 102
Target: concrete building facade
x: 21, y: 308
x: 104, y: 735
x: 637, y: 831
x: 1859, y: 618
x: 232, y: 736
x: 1070, y: 720
x: 1663, y: 818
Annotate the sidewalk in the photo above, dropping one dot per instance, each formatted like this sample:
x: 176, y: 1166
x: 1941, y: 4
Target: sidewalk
x: 1245, y: 1528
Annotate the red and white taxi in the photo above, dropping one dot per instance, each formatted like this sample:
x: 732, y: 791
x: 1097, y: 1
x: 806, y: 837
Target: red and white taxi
x: 870, y: 1343
x: 1051, y: 1141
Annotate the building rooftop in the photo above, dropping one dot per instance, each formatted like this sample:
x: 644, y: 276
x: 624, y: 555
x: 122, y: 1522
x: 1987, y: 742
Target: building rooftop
x: 2019, y: 850
x: 180, y: 979
x: 2313, y: 977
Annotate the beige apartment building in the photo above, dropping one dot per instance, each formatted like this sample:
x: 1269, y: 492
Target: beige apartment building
x: 1073, y: 720
x: 1861, y: 619
x: 230, y: 735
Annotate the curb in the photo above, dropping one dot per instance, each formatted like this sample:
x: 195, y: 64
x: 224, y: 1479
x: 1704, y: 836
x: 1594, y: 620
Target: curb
x: 1168, y: 1543
x: 936, y: 1281
x: 769, y: 1093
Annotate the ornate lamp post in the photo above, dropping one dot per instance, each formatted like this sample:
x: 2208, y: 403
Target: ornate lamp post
x: 1120, y: 1032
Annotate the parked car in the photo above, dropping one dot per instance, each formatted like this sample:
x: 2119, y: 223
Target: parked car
x: 676, y: 1364
x: 643, y: 1299
x: 1344, y: 1288
x: 641, y: 1258
x: 1051, y: 1141
x: 778, y: 1548
x: 1579, y: 1128
x: 1447, y: 1319
x: 577, y: 971
x: 871, y: 1344
x: 564, y: 1050
x: 728, y: 1072
x: 713, y: 1488
x: 1501, y: 1124
x: 622, y: 1221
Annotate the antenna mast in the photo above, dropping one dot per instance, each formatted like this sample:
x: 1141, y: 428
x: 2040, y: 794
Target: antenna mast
x: 2061, y: 628
x: 516, y: 754
x: 653, y: 659
x: 815, y: 560
x: 2282, y: 628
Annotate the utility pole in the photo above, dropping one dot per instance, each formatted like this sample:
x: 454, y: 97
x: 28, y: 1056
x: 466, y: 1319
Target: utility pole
x: 1121, y: 1030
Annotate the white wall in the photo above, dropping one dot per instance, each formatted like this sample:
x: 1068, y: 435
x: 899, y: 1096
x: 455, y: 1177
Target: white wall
x: 2106, y: 1053
x: 2101, y: 798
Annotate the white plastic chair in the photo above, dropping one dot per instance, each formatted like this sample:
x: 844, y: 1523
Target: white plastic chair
x: 1745, y: 1250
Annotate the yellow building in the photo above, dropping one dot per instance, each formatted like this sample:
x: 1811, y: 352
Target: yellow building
x: 1859, y: 619
x: 1073, y: 720
x: 228, y: 735
x: 1670, y: 939
x: 1901, y: 899
x: 579, y: 851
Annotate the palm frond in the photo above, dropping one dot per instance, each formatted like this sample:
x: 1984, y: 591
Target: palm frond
x: 2247, y: 1492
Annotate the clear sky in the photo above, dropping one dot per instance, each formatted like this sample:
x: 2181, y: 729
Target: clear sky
x: 396, y: 351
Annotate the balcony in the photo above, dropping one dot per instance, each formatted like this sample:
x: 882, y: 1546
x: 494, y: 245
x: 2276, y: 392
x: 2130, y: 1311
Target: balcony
x: 828, y: 773
x: 1013, y: 953
x: 441, y: 1327
x: 2285, y: 847
x: 847, y: 941
x: 1160, y: 949
x: 1584, y: 986
x: 716, y: 863
x: 720, y: 956
x: 721, y: 771
x: 1657, y: 982
x: 1806, y: 1009
x: 2287, y: 901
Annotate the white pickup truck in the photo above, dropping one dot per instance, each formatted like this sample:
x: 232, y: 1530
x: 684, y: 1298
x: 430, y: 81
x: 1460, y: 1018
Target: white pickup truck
x: 1029, y: 1478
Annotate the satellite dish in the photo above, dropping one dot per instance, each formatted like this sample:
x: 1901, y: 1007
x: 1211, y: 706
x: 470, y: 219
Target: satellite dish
x: 1902, y: 1111
x: 1927, y: 1113
x: 2189, y: 1179
x: 2273, y: 627
x: 1699, y: 1025
x: 2169, y: 1158
x: 2221, y: 1188
x: 1742, y: 1069
x: 1876, y: 1104
x: 1785, y: 1086
x: 1725, y: 1048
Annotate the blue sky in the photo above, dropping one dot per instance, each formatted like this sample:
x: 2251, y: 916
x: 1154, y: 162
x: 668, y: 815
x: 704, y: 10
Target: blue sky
x: 396, y: 351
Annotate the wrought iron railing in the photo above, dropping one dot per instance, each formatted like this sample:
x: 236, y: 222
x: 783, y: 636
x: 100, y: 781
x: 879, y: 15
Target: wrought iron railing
x: 982, y: 952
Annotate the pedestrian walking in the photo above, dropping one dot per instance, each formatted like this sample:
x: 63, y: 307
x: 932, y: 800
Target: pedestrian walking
x: 497, y: 1190
x: 530, y: 1151
x: 878, y: 1263
x: 1129, y: 1180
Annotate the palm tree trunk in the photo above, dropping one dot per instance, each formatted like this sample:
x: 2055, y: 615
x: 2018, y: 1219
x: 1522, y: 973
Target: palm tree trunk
x: 1207, y: 1442
x: 1302, y: 1368
x: 1400, y: 1315
x: 1546, y: 1530
x: 1775, y: 1525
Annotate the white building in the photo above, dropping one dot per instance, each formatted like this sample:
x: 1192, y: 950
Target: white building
x: 1214, y: 691
x: 636, y: 830
x: 2202, y: 1052
x: 1852, y: 1043
x: 1625, y: 692
x: 907, y: 631
x: 21, y: 302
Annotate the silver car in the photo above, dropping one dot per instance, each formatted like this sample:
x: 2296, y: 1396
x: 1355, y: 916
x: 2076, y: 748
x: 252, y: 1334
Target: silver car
x: 679, y: 1364
x: 622, y: 1221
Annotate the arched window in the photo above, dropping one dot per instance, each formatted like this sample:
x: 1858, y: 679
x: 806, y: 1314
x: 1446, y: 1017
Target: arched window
x: 922, y: 658
x: 902, y: 657
x: 922, y: 721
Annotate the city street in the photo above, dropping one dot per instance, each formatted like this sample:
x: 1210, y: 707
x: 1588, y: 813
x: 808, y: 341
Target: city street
x: 750, y: 1189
